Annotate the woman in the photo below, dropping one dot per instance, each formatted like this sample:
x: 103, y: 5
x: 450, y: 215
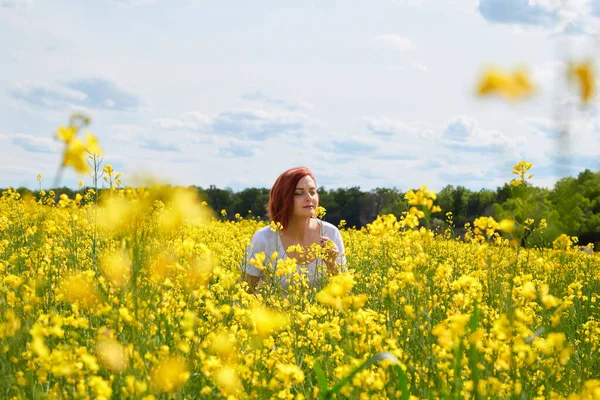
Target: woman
x: 292, y: 203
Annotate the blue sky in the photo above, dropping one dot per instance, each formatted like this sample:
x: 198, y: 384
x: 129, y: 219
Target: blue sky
x: 232, y: 93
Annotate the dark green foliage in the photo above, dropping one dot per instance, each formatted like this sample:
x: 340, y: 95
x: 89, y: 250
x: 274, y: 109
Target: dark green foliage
x: 571, y: 207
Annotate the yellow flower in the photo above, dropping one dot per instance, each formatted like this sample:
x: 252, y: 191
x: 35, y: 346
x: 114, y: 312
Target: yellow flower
x: 563, y: 242
x: 13, y: 281
x: 111, y: 354
x: 320, y: 212
x: 529, y: 291
x: 199, y: 273
x: 66, y: 133
x: 258, y: 260
x: 506, y: 225
x: 125, y: 314
x: 74, y: 156
x: 583, y: 73
x: 39, y: 347
x: 223, y: 345
x: 79, y: 289
x: 91, y: 144
x: 410, y: 311
x: 521, y: 169
x: 170, y: 375
x: 512, y: 86
x: 332, y: 295
x: 457, y: 323
x: 267, y: 321
x: 116, y: 268
x: 227, y: 380
x: 108, y: 170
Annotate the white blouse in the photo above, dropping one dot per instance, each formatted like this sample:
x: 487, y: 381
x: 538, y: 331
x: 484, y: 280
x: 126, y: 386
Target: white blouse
x: 267, y: 241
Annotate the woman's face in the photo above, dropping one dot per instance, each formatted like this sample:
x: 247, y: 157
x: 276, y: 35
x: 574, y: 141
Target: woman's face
x: 306, y: 198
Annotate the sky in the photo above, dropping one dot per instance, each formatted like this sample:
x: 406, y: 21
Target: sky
x: 233, y: 93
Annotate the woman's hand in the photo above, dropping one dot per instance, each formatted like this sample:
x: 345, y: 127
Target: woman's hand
x: 331, y: 253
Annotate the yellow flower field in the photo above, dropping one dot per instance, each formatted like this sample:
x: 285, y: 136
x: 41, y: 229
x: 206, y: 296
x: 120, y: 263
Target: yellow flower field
x: 141, y: 297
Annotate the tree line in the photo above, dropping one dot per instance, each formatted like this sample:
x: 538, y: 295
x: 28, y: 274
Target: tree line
x: 572, y: 206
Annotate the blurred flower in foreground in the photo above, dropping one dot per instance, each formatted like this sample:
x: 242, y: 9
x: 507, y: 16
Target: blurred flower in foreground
x: 74, y: 153
x: 80, y: 290
x: 268, y: 321
x: 583, y: 73
x: 227, y: 380
x: 333, y: 293
x: 511, y: 86
x: 111, y: 354
x: 170, y: 375
x: 116, y: 268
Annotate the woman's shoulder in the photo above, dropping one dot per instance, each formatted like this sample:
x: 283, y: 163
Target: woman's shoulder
x: 328, y: 228
x: 263, y: 236
x: 264, y: 233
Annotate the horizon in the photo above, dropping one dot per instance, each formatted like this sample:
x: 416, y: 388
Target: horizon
x: 327, y: 188
x: 365, y: 96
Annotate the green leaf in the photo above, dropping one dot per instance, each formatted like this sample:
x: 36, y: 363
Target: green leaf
x: 321, y: 379
x: 403, y: 383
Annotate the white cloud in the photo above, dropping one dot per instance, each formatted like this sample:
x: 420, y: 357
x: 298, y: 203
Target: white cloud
x: 96, y: 93
x: 195, y: 120
x: 414, y: 66
x: 243, y: 95
x: 168, y: 123
x: 10, y: 169
x: 419, y: 66
x: 409, y: 2
x: 558, y: 17
x: 388, y: 127
x: 395, y: 42
x: 35, y: 144
x: 135, y: 3
x: 243, y: 123
x: 238, y: 148
x: 464, y: 133
x: 264, y: 100
x: 127, y: 132
x: 160, y: 144
x: 17, y: 4
x: 47, y: 94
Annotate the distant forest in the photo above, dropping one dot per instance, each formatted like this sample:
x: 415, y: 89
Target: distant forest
x: 571, y: 207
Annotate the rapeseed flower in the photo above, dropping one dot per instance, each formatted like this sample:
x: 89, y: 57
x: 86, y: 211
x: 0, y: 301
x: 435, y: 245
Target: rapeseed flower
x: 583, y: 75
x: 510, y: 85
x: 80, y: 290
x: 78, y: 320
x: 111, y: 354
x: 268, y: 321
x: 169, y: 375
x: 116, y: 268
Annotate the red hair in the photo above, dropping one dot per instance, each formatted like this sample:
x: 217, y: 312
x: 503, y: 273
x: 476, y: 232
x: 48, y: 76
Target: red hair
x: 281, y: 198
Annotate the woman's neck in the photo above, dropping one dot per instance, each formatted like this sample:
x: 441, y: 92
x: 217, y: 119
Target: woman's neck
x: 298, y: 229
